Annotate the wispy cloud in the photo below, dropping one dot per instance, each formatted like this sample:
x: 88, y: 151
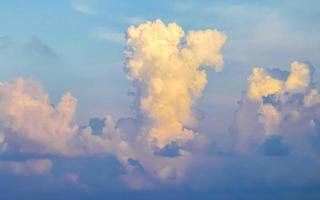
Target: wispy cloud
x: 84, y: 8
x: 135, y: 20
x: 29, y: 167
x: 108, y: 35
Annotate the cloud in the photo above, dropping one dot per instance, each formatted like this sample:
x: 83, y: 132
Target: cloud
x: 38, y: 47
x: 135, y: 20
x: 30, y: 121
x: 29, y: 167
x: 84, y: 8
x: 161, y: 145
x: 165, y: 66
x: 278, y: 104
x: 262, y: 84
x: 168, y: 77
x: 312, y: 99
x: 108, y: 35
x: 31, y: 58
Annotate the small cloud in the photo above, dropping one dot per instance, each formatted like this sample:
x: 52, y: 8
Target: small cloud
x: 29, y: 167
x: 38, y: 47
x: 135, y: 20
x: 84, y: 9
x: 109, y: 35
x: 72, y: 178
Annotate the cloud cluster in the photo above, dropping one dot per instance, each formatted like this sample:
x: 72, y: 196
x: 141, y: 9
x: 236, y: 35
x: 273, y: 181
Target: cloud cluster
x: 278, y: 104
x: 278, y: 115
x: 30, y: 123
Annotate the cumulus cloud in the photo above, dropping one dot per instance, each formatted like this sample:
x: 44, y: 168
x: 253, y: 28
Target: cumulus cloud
x: 167, y: 74
x: 165, y: 65
x: 278, y: 114
x: 29, y: 121
x: 110, y: 140
x: 278, y: 104
x: 262, y: 84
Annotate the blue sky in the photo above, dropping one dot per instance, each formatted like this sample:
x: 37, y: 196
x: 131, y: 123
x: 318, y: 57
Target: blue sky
x: 78, y: 47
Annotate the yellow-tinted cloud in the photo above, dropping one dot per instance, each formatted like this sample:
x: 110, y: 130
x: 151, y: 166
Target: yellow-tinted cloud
x: 168, y: 77
x: 262, y: 84
x: 299, y: 77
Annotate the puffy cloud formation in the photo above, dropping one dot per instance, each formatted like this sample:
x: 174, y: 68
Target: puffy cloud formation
x: 164, y: 65
x: 278, y: 104
x: 110, y: 140
x: 278, y: 115
x: 262, y: 84
x: 30, y: 122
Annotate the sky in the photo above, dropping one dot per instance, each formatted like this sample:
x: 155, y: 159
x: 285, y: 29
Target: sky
x: 159, y: 99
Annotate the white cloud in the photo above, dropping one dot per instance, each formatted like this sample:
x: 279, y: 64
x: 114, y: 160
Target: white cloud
x: 83, y: 8
x: 108, y: 35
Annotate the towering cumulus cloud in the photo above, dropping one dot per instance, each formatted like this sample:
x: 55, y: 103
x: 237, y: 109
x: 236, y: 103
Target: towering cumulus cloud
x: 164, y: 65
x: 279, y: 104
x: 166, y: 68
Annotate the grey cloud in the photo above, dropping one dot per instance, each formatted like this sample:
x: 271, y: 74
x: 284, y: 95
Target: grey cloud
x: 37, y: 47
